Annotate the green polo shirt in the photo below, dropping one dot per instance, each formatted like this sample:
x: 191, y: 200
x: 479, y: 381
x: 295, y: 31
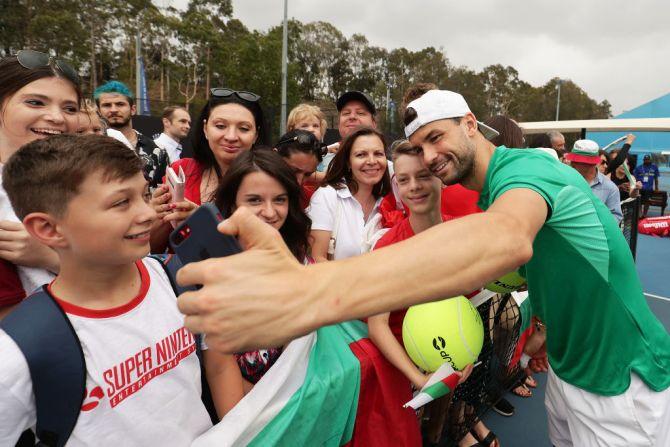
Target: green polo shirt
x: 582, y: 280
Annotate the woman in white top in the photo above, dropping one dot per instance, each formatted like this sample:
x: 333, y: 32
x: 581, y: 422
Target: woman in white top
x: 345, y: 210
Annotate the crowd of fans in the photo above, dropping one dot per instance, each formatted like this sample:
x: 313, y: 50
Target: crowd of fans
x: 84, y: 200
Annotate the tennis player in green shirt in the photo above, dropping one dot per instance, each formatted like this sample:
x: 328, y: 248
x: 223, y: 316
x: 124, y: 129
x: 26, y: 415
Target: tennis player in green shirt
x: 609, y: 357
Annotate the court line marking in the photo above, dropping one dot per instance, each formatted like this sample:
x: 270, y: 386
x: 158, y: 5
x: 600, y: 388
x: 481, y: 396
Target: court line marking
x: 650, y: 295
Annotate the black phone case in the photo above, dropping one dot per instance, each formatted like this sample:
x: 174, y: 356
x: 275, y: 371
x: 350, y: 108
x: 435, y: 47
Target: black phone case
x: 197, y: 238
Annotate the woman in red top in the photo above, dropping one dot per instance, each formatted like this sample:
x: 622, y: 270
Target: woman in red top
x: 230, y: 123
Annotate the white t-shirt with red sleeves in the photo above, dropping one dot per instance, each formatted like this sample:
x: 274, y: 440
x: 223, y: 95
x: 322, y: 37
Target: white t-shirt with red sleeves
x: 142, y: 373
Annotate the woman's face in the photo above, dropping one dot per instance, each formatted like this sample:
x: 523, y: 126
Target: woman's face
x: 302, y: 164
x: 40, y: 109
x: 265, y: 197
x: 311, y: 124
x: 230, y: 129
x: 602, y: 166
x: 367, y: 160
x: 90, y: 124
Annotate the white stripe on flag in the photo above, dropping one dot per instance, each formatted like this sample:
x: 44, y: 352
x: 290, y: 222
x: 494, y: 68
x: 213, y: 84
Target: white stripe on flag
x: 267, y: 398
x: 482, y: 297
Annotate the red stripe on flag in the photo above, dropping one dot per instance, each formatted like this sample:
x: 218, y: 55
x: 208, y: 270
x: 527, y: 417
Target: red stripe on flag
x: 381, y: 419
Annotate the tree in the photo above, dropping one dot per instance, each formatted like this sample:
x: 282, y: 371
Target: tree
x: 203, y: 46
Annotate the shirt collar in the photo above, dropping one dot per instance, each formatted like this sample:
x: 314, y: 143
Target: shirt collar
x: 344, y: 193
x: 166, y: 140
x: 599, y: 179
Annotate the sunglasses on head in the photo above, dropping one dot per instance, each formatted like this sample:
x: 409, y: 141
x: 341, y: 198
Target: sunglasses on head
x: 219, y: 92
x: 304, y: 140
x: 31, y: 60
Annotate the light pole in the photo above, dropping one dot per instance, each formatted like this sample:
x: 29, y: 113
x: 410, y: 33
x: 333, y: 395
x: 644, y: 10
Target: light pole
x: 558, y: 97
x: 284, y: 74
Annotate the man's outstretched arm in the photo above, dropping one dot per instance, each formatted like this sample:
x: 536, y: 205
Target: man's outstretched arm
x: 264, y: 297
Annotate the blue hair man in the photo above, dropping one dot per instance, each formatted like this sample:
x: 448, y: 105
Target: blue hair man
x: 115, y: 87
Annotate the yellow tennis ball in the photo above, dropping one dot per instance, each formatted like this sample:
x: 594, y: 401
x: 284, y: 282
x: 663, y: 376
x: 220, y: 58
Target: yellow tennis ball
x: 450, y: 330
x: 507, y: 283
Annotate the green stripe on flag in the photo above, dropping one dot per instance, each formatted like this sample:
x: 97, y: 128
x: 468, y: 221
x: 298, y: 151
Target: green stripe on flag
x: 331, y: 389
x: 437, y: 390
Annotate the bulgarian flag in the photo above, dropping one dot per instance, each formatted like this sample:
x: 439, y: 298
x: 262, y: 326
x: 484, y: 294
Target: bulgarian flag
x: 332, y: 387
x: 441, y: 382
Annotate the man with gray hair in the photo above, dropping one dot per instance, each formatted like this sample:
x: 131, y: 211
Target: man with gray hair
x: 585, y: 158
x: 557, y: 142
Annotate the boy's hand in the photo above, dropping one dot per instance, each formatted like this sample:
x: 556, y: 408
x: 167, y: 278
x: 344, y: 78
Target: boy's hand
x: 630, y: 138
x: 539, y: 362
x: 19, y: 247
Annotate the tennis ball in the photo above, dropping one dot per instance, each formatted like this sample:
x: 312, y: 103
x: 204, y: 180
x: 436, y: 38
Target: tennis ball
x: 443, y: 331
x: 506, y: 283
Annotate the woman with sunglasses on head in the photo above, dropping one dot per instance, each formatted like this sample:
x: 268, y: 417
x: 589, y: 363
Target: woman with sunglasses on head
x: 302, y: 151
x: 39, y: 97
x: 229, y: 124
x: 261, y: 181
x: 345, y: 210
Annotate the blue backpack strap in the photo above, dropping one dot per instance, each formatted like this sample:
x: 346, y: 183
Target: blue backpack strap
x: 171, y: 264
x: 56, y: 362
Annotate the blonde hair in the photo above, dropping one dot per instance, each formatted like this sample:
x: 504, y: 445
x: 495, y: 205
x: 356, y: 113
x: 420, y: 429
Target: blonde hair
x: 306, y: 111
x: 90, y: 110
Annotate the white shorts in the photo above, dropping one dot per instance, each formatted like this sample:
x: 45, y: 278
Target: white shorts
x: 638, y: 417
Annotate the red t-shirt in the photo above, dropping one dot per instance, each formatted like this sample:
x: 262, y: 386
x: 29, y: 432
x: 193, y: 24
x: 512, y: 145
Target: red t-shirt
x: 401, y: 231
x: 308, y: 190
x: 193, y: 173
x: 456, y: 201
x: 459, y: 201
x: 11, y: 289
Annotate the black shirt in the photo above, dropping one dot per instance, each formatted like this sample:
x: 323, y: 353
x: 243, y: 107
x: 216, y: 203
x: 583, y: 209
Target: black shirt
x: 155, y: 159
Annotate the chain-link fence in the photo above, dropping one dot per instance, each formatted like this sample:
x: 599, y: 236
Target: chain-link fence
x: 492, y: 378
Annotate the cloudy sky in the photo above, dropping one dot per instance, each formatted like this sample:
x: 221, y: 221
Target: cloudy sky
x: 615, y: 50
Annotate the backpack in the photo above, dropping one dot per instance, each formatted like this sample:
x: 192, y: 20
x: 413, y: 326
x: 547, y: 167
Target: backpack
x: 45, y: 336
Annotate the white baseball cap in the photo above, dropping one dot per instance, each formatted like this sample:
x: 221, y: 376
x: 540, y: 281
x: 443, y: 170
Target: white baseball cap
x: 437, y: 105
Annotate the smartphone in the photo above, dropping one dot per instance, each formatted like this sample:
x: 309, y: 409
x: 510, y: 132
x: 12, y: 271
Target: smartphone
x: 197, y: 238
x: 175, y: 182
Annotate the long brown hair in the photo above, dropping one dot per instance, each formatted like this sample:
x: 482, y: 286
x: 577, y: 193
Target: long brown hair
x: 295, y: 229
x: 339, y: 172
x: 509, y: 132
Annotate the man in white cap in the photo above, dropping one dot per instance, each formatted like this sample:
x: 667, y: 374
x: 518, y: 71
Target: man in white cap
x: 609, y: 381
x: 585, y: 158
